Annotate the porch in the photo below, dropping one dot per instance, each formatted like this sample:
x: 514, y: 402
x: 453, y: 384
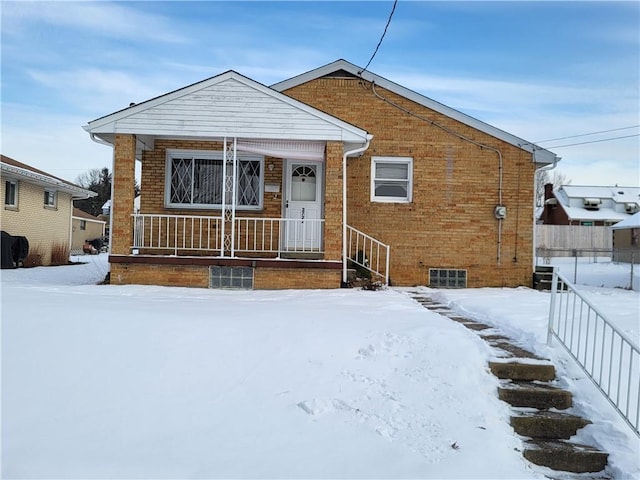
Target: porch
x: 246, y: 252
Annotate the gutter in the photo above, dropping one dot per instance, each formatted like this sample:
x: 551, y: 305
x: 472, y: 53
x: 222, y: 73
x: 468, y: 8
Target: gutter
x: 344, y: 202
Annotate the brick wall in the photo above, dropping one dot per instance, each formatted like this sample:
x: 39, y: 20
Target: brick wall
x: 198, y: 276
x: 43, y: 226
x: 450, y: 223
x: 167, y: 275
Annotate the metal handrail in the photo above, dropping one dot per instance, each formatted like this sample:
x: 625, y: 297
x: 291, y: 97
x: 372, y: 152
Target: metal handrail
x: 607, y: 356
x: 375, y: 254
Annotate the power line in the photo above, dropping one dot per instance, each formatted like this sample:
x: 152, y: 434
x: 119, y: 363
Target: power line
x: 587, y: 134
x: 594, y: 141
x: 381, y: 38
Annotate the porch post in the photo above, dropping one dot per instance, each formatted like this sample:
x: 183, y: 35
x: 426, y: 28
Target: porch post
x: 229, y: 175
x: 333, y: 202
x: 123, y: 181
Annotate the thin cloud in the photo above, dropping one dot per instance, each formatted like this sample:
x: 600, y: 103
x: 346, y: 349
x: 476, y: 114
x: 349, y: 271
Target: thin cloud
x: 107, y: 19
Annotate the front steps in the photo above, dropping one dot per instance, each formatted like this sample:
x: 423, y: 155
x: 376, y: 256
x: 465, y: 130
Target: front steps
x: 539, y: 407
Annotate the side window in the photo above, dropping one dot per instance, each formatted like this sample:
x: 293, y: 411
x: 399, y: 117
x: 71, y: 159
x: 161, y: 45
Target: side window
x: 391, y: 179
x: 49, y: 198
x: 83, y: 224
x: 10, y: 193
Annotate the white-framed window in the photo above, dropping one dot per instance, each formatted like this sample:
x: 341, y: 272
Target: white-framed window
x: 83, y: 224
x: 391, y: 179
x: 10, y: 193
x: 49, y: 198
x: 195, y: 180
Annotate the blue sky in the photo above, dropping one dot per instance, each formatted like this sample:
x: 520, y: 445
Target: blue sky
x: 539, y: 70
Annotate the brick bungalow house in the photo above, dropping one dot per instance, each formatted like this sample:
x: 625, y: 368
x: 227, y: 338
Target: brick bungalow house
x: 250, y: 186
x: 38, y: 206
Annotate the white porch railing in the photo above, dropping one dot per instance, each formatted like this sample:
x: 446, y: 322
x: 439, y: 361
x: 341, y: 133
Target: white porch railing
x: 180, y: 233
x: 608, y: 357
x: 278, y: 235
x: 367, y: 252
x: 176, y: 232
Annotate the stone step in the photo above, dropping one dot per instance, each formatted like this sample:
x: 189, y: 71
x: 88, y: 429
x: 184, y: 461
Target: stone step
x: 565, y: 456
x: 548, y: 425
x: 523, y: 371
x: 542, y: 397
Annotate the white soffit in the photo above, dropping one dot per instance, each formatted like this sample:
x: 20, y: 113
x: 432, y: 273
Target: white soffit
x: 540, y: 155
x: 226, y: 105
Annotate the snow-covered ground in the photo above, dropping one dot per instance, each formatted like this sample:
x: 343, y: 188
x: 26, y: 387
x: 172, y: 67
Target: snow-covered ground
x: 105, y: 381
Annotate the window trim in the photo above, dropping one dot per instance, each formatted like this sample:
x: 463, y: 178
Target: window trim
x: 209, y: 155
x: 83, y: 224
x: 387, y: 199
x: 14, y: 183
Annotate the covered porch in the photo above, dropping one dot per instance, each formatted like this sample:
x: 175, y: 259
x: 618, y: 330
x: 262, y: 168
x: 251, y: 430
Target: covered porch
x: 237, y: 181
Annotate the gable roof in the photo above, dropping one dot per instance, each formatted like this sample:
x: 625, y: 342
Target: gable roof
x: 344, y: 68
x: 77, y: 213
x: 11, y: 167
x: 227, y: 105
x: 632, y: 222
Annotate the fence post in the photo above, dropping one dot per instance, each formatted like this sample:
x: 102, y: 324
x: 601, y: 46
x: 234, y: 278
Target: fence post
x: 552, y: 305
x: 632, y: 262
x: 575, y: 266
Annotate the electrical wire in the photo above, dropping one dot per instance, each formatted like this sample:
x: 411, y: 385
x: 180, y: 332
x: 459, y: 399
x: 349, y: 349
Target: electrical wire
x: 461, y: 137
x: 381, y: 38
x: 595, y: 141
x: 587, y: 134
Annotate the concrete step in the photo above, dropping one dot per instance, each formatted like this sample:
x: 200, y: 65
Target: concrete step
x: 523, y: 371
x: 548, y: 425
x: 509, y: 348
x: 565, y: 456
x: 542, y: 397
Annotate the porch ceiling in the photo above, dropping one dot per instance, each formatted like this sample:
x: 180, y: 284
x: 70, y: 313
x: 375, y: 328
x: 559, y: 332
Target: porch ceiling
x: 228, y: 105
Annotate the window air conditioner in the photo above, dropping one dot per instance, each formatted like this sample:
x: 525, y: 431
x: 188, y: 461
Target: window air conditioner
x: 593, y: 203
x: 631, y: 207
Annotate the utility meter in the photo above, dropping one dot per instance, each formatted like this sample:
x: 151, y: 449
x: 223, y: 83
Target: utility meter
x: 500, y: 212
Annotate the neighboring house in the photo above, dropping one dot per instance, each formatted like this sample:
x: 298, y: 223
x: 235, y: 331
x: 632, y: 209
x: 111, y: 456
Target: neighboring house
x: 589, y: 206
x: 252, y: 186
x: 626, y: 240
x: 38, y: 206
x: 85, y: 227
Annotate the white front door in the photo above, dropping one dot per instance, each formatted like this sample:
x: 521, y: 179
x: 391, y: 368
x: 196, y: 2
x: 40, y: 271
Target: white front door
x: 303, y: 206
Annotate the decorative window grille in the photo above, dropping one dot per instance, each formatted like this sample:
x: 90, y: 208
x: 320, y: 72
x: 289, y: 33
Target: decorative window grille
x: 447, y: 278
x: 196, y: 180
x: 391, y: 179
x: 231, y: 277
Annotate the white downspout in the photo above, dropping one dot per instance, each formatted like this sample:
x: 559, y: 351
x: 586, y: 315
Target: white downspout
x: 546, y: 168
x: 344, y: 202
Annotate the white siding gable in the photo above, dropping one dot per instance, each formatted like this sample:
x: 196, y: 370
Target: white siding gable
x: 227, y: 105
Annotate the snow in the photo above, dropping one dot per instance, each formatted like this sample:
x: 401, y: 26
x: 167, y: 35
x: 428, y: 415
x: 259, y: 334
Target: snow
x: 106, y: 381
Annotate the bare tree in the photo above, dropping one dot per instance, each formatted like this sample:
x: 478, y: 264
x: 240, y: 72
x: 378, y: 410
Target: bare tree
x: 543, y: 177
x: 97, y: 180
